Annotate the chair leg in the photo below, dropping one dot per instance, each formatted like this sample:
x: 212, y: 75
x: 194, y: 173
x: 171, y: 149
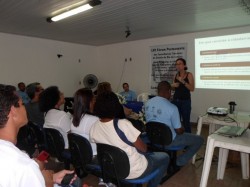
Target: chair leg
x: 172, y: 165
x: 172, y: 168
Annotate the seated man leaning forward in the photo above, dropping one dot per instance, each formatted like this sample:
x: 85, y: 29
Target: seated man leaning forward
x: 160, y: 109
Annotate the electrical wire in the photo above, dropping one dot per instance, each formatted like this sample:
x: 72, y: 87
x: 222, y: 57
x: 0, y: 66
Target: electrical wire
x: 123, y: 68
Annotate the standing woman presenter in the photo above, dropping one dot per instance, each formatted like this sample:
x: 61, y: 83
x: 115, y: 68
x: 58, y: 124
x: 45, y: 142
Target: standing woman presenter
x: 183, y: 84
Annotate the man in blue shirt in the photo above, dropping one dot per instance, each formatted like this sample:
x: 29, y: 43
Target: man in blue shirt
x: 128, y: 94
x: 160, y: 109
x: 22, y: 93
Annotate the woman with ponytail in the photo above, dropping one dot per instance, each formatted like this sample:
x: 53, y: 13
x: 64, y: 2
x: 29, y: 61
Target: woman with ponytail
x: 82, y: 114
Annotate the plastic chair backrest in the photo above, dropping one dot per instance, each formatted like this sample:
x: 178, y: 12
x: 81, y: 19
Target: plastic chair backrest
x: 26, y: 139
x: 81, y: 153
x: 39, y: 136
x: 159, y: 133
x: 114, y: 162
x: 143, y: 97
x: 139, y: 125
x: 55, y: 143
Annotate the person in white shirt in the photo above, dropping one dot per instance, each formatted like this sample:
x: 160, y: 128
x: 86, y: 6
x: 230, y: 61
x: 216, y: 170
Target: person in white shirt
x: 17, y: 168
x: 82, y: 116
x: 50, y: 101
x: 103, y: 131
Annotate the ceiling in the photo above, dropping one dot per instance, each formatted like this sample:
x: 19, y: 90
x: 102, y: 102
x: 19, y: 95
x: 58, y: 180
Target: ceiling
x: 107, y: 23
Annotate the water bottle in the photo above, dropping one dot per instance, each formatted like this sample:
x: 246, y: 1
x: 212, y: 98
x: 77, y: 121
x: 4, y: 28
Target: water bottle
x: 231, y: 107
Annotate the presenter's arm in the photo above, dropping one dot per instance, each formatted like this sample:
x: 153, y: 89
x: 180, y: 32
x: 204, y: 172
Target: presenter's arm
x: 174, y: 84
x: 190, y: 85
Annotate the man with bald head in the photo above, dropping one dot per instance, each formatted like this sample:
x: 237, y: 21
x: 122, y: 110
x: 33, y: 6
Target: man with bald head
x: 160, y: 109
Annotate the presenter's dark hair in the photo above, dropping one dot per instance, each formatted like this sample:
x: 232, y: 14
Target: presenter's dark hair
x: 82, y: 100
x: 183, y: 61
x: 107, y: 105
x: 8, y: 98
x: 49, y: 98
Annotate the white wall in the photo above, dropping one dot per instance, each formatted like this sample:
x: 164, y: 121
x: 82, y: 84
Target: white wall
x: 30, y: 59
x: 136, y: 72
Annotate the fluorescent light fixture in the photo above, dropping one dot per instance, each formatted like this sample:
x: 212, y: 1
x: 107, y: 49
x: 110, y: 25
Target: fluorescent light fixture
x: 71, y: 12
x: 74, y: 11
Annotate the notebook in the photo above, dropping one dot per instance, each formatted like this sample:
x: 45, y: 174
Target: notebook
x: 231, y: 131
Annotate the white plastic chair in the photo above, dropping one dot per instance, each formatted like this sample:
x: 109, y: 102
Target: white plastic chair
x: 143, y: 97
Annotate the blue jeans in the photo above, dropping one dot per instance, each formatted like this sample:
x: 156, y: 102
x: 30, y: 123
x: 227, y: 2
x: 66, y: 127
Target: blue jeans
x: 156, y: 160
x: 184, y: 107
x: 192, y: 144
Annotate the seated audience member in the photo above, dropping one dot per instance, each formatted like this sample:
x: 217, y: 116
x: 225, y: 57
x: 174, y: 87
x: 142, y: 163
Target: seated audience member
x: 103, y: 87
x: 106, y: 87
x: 82, y: 115
x: 160, y: 109
x: 103, y: 131
x: 17, y: 168
x: 50, y: 101
x: 83, y: 118
x: 128, y: 94
x: 22, y: 93
x: 33, y: 111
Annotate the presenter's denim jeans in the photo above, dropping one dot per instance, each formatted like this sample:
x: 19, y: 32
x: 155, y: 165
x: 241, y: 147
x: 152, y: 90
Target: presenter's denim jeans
x: 192, y: 144
x: 184, y: 107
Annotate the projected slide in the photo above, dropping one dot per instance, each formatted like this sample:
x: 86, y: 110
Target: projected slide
x: 223, y: 62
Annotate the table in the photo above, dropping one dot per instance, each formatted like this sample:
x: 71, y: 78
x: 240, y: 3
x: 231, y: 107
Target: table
x: 136, y: 106
x: 240, y: 144
x: 242, y: 119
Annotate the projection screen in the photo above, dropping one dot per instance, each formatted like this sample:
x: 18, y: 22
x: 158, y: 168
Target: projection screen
x: 223, y: 62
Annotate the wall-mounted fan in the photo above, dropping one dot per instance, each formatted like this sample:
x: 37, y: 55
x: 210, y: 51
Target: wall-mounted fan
x: 90, y: 81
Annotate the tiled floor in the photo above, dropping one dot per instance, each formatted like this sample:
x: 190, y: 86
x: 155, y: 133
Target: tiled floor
x: 190, y: 175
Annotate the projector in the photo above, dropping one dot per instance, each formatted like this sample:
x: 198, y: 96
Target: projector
x: 217, y: 111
